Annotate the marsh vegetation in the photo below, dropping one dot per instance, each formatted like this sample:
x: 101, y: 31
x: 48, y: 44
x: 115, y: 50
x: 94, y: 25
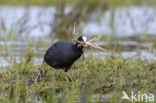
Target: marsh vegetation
x: 26, y: 31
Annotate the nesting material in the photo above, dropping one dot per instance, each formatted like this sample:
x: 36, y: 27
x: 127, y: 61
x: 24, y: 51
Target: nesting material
x: 90, y: 43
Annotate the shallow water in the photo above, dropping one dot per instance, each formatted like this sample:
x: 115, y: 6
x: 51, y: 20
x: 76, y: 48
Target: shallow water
x: 130, y: 49
x: 37, y: 26
x: 127, y: 21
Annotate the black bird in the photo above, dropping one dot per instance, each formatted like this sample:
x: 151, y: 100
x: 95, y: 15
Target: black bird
x: 62, y: 54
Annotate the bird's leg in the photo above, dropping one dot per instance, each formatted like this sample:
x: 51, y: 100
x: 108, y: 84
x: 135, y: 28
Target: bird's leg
x: 83, y: 54
x: 40, y: 74
x: 67, y: 77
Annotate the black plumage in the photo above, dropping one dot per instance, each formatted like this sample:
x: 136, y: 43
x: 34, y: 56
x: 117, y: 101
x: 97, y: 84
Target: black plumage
x: 62, y: 54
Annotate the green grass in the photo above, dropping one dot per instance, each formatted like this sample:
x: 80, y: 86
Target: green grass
x: 93, y: 75
x: 111, y: 75
x: 112, y: 3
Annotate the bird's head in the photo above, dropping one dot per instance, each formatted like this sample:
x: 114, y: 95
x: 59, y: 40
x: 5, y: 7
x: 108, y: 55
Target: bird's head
x: 82, y: 42
x: 82, y: 38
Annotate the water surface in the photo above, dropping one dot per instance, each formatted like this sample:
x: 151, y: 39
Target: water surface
x: 33, y: 24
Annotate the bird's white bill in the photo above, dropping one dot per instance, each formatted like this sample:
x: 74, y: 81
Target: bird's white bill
x: 84, y: 38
